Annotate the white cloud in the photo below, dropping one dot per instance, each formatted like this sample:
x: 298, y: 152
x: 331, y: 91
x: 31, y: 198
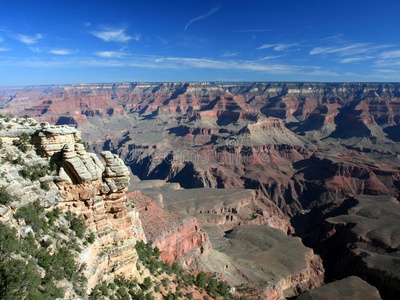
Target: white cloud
x: 278, y: 47
x: 182, y: 62
x: 350, y: 49
x: 341, y: 50
x: 29, y: 40
x: 356, y: 59
x: 119, y: 59
x: 266, y: 46
x: 387, y: 63
x: 229, y: 54
x: 114, y: 35
x: 202, y: 17
x: 110, y: 54
x: 333, y: 37
x: 87, y: 24
x: 62, y: 51
x: 322, y: 73
x: 270, y: 57
x: 4, y: 49
x: 390, y: 54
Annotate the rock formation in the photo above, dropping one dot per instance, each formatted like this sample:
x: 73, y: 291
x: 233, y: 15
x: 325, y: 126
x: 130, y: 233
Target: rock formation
x: 364, y: 242
x: 175, y: 235
x: 350, y: 288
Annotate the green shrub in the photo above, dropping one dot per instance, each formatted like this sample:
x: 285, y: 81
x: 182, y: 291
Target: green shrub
x: 78, y: 226
x: 170, y: 296
x: 33, y: 172
x: 23, y: 142
x: 95, y: 293
x: 24, y: 138
x: 112, y: 285
x: 147, y: 283
x: 6, y: 197
x: 211, y: 287
x: 19, y: 161
x: 31, y: 213
x: 104, y: 289
x: 121, y: 291
x: 64, y: 265
x: 8, y: 241
x: 201, y: 280
x: 149, y: 296
x: 53, y: 216
x: 19, y: 280
x: 165, y: 282
x: 223, y: 289
x: 91, y: 238
x: 45, y: 186
x: 53, y: 166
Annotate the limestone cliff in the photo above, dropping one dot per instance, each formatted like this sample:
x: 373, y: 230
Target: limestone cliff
x: 97, y: 192
x: 93, y: 191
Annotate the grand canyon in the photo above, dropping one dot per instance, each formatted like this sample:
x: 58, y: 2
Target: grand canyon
x: 283, y: 190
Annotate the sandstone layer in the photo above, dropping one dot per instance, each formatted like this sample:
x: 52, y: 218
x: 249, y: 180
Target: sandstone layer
x: 174, y: 234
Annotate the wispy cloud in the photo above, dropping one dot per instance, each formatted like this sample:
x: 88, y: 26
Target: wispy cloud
x: 202, y: 17
x: 1, y: 39
x: 356, y: 59
x: 126, y: 60
x: 109, y: 34
x: 110, y: 54
x: 387, y: 63
x: 62, y: 51
x: 349, y: 49
x: 4, y: 49
x: 270, y: 57
x: 319, y: 72
x: 390, y: 54
x: 333, y: 37
x: 29, y: 39
x: 230, y: 54
x: 388, y: 59
x: 278, y: 47
x: 87, y: 24
x: 252, y: 30
x: 227, y: 64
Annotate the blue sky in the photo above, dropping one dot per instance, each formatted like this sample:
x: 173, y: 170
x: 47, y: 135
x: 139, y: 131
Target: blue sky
x: 56, y: 42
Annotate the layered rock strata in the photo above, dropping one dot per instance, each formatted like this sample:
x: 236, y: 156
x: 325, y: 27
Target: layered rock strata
x: 96, y: 193
x: 174, y: 234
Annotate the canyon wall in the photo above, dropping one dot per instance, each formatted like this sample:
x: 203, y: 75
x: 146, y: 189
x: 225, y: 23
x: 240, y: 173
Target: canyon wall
x: 304, y: 148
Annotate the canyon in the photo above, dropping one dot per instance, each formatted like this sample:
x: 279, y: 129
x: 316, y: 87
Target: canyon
x: 225, y: 177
